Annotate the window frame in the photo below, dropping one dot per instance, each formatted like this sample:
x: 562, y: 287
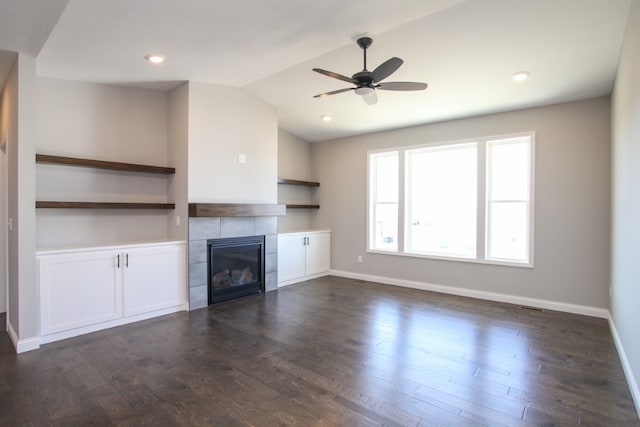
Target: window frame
x: 489, y: 200
x: 482, y: 215
x: 371, y: 200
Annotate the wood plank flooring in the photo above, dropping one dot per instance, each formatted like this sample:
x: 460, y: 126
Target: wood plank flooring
x: 328, y: 352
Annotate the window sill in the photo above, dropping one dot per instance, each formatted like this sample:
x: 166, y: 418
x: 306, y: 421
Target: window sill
x: 455, y: 259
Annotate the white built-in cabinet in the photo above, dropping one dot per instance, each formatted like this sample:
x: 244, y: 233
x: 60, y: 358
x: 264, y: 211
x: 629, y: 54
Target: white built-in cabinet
x: 87, y: 289
x: 303, y: 256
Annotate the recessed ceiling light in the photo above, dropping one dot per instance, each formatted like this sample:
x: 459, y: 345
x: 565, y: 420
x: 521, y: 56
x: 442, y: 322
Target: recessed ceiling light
x: 154, y: 59
x: 520, y: 76
x: 326, y: 118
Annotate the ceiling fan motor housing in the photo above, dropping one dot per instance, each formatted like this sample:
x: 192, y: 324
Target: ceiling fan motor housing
x: 363, y: 78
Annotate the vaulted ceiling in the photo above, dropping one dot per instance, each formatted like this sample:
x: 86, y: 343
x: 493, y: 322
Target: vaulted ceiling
x: 465, y: 50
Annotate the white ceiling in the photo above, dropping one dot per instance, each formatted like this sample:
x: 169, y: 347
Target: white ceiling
x: 465, y: 50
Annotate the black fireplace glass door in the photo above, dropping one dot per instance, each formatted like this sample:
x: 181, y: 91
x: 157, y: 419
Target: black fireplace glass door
x: 236, y: 267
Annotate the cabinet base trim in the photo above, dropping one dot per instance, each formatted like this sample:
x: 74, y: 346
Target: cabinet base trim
x: 302, y: 279
x: 45, y: 339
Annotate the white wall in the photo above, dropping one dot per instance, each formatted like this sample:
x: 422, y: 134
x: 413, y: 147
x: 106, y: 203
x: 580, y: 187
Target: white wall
x: 178, y: 133
x: 102, y: 122
x: 294, y: 162
x: 19, y: 123
x: 572, y: 199
x: 6, y: 111
x: 223, y: 123
x: 625, y: 247
x: 4, y: 201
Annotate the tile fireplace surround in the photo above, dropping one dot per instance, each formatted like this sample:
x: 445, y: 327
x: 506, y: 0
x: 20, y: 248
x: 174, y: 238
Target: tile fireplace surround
x: 203, y: 228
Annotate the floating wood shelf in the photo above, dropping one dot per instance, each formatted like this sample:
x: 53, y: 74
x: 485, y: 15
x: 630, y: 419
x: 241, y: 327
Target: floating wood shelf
x: 298, y: 182
x: 303, y: 206
x: 235, y: 209
x: 101, y: 164
x: 102, y: 205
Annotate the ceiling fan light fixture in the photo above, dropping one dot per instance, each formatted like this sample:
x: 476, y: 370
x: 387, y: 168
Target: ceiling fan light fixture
x: 364, y: 90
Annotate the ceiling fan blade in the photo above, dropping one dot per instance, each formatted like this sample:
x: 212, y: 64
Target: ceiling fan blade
x: 387, y: 68
x: 402, y: 86
x: 371, y: 98
x: 333, y: 92
x: 334, y: 75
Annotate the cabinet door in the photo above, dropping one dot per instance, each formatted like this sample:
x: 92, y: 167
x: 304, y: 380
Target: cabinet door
x: 290, y: 257
x: 318, y: 253
x: 154, y: 278
x: 78, y: 289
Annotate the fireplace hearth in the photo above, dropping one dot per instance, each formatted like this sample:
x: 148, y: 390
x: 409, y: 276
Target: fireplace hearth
x: 235, y: 267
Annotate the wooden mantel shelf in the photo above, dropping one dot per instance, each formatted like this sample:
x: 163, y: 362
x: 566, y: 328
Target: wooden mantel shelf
x: 197, y: 210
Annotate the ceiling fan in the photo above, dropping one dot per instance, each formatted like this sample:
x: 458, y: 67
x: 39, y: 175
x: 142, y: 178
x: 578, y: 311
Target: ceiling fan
x: 368, y: 81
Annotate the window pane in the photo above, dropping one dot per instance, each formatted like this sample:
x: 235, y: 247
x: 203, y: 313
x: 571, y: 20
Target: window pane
x: 508, y: 236
x: 386, y: 185
x: 386, y: 226
x: 508, y: 226
x: 509, y: 169
x: 441, y: 202
x: 383, y: 196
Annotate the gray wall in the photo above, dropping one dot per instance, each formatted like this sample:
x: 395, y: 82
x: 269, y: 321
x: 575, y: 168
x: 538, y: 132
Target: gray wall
x: 572, y: 197
x: 225, y: 122
x: 104, y: 122
x: 625, y: 247
x: 178, y: 143
x: 294, y: 162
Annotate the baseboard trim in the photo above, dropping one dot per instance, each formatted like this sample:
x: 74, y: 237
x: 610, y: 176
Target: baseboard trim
x: 490, y: 296
x: 22, y: 345
x: 626, y: 366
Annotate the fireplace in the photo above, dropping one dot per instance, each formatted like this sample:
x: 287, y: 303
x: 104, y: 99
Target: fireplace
x: 235, y: 267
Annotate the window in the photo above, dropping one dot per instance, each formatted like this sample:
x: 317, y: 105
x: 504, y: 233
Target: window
x: 508, y: 200
x: 441, y: 200
x: 383, y: 175
x: 468, y: 200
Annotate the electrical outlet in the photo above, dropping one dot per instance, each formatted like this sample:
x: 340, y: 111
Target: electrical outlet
x: 177, y: 219
x: 360, y: 258
x: 242, y: 158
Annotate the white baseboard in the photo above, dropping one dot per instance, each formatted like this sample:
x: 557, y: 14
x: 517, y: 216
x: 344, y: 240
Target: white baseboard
x: 22, y: 345
x: 491, y: 296
x: 626, y: 366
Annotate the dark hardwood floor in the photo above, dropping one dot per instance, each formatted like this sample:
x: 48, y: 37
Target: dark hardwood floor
x: 327, y: 352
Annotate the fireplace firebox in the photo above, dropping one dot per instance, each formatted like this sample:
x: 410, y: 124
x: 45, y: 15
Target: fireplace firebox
x: 235, y: 267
